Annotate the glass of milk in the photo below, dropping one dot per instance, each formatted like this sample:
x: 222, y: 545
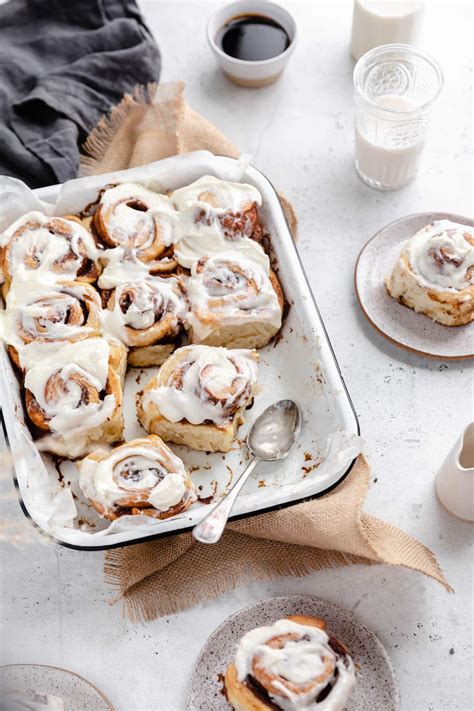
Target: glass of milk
x: 395, y: 87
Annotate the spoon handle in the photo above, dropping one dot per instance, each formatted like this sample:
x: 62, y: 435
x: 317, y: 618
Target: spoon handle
x: 211, y: 528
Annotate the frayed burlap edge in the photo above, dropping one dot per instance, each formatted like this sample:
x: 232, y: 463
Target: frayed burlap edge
x: 98, y: 142
x: 140, y: 603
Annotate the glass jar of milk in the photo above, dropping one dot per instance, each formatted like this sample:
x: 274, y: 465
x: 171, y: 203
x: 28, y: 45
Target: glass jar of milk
x: 395, y: 87
x: 377, y: 22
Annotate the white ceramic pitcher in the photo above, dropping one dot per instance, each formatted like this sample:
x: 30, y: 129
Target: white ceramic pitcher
x: 455, y: 478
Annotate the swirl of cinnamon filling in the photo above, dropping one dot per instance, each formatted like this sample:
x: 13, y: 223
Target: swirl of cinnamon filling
x: 144, y: 312
x: 202, y: 384
x: 441, y: 255
x: 140, y: 477
x: 230, y: 289
x: 216, y: 215
x: 138, y: 220
x: 293, y: 664
x: 55, y: 314
x: 56, y: 247
x: 74, y: 390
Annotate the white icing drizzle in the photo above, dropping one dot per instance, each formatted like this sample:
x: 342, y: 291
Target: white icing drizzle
x: 43, y: 249
x: 229, y: 289
x: 41, y: 313
x: 441, y: 257
x: 30, y: 700
x: 225, y: 195
x: 155, y: 300
x: 87, y: 360
x: 136, y: 472
x: 299, y: 662
x: 128, y: 226
x: 201, y: 383
x: 202, y: 232
x: 121, y: 266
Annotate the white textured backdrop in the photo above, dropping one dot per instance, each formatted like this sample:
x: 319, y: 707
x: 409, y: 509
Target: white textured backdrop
x: 54, y: 603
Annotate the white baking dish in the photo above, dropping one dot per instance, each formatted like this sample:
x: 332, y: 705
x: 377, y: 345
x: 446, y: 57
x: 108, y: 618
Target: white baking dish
x: 300, y: 365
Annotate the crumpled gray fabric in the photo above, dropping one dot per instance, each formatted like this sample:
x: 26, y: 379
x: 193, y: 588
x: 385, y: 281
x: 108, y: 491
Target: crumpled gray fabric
x: 64, y: 63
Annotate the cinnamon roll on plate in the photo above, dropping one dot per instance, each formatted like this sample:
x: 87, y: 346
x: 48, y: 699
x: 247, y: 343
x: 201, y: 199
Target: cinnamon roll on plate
x: 141, y: 477
x: 51, y: 315
x: 75, y: 394
x: 293, y: 664
x: 216, y: 215
x: 57, y: 248
x: 199, y: 396
x: 435, y: 273
x: 233, y: 302
x: 140, y: 221
x: 29, y: 700
x: 147, y: 316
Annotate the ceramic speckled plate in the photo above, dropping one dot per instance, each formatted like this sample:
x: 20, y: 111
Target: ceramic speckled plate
x: 77, y: 693
x: 399, y: 324
x: 376, y: 686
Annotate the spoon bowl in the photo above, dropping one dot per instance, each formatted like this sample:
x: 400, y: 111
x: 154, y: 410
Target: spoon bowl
x: 275, y: 431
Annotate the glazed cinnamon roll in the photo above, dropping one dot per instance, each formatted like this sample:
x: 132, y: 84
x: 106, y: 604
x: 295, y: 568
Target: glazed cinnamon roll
x: 140, y: 222
x: 435, y: 273
x: 147, y: 316
x: 233, y: 302
x: 76, y: 394
x: 199, y: 396
x: 292, y: 664
x: 56, y: 248
x: 141, y: 477
x: 215, y: 216
x: 29, y: 700
x: 49, y: 314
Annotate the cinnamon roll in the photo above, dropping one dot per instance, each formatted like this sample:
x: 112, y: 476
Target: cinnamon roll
x: 139, y: 221
x: 141, y: 477
x: 48, y: 314
x: 147, y: 316
x: 233, y: 302
x: 215, y: 216
x: 293, y: 664
x: 435, y: 273
x: 29, y: 700
x: 57, y: 248
x: 76, y: 394
x: 199, y: 396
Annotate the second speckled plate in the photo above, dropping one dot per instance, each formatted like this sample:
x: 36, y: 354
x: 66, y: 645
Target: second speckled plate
x: 376, y: 686
x: 397, y: 323
x: 77, y: 693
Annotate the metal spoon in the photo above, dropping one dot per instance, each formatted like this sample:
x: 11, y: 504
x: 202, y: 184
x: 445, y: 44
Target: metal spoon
x: 271, y: 437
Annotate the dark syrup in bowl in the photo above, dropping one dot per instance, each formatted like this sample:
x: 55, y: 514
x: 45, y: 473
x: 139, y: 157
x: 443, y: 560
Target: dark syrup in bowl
x: 253, y: 38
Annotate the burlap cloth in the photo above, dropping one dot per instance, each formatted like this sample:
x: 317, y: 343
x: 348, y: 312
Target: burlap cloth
x: 170, y: 574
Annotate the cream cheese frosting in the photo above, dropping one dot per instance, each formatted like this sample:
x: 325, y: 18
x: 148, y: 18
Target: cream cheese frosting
x: 53, y: 246
x: 203, y: 207
x: 441, y: 255
x: 220, y: 194
x: 300, y: 661
x: 131, y: 213
x: 138, y: 305
x: 30, y: 700
x: 151, y: 474
x: 204, y: 384
x: 62, y: 373
x: 229, y: 289
x: 38, y: 313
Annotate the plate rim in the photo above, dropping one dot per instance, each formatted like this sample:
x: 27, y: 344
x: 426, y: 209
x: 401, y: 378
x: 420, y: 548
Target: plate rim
x: 390, y: 339
x: 66, y: 671
x: 294, y: 596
